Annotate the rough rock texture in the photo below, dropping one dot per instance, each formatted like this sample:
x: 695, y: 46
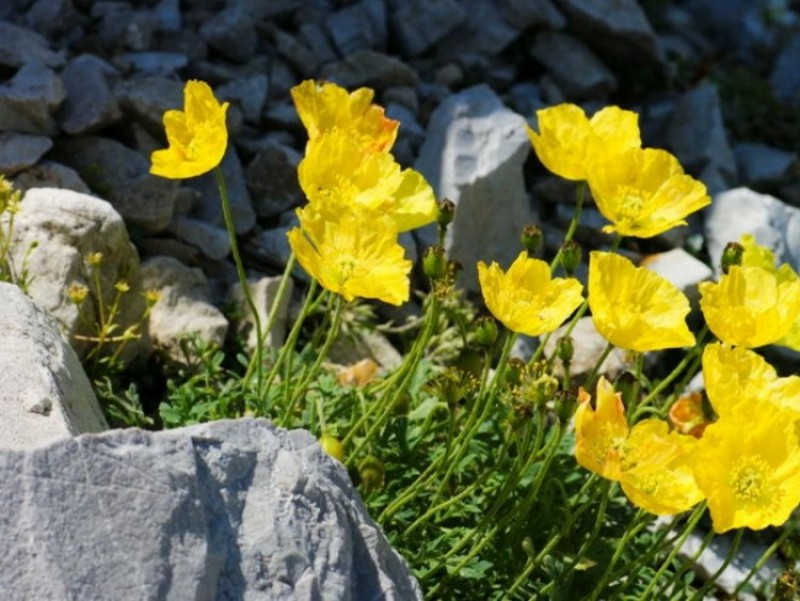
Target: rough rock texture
x: 473, y: 155
x: 44, y: 392
x: 184, y: 307
x: 229, y: 510
x: 66, y: 226
x: 743, y: 211
x: 264, y: 293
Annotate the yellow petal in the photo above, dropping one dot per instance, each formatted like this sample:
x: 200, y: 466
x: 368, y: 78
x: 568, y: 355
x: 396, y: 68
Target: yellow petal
x: 600, y: 433
x: 352, y: 253
x: 635, y: 308
x: 197, y: 136
x: 324, y: 107
x: 657, y: 469
x: 644, y: 192
x: 749, y: 307
x: 526, y: 299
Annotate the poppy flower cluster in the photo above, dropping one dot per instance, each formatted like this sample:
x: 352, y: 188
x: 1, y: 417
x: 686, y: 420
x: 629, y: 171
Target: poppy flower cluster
x: 359, y: 198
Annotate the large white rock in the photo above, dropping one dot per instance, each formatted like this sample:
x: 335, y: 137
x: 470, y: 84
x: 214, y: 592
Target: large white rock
x: 227, y: 510
x: 44, y: 392
x: 740, y: 211
x: 473, y: 155
x: 65, y: 227
x: 184, y: 307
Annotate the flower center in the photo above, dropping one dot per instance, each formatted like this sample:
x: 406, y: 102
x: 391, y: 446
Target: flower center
x: 630, y: 205
x: 751, y: 484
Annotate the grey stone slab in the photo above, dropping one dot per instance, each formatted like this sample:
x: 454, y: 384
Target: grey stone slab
x: 228, y: 510
x: 29, y: 100
x: 90, y: 104
x: 19, y: 151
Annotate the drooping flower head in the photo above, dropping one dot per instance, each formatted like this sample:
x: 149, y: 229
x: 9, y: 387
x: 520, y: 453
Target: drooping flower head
x: 644, y: 192
x: 325, y: 107
x: 352, y: 252
x: 570, y: 144
x: 749, y: 307
x: 635, y: 308
x: 337, y: 165
x: 197, y: 135
x: 526, y: 299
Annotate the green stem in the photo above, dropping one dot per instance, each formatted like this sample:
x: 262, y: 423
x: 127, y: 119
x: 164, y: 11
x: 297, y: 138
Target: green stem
x: 687, y: 359
x: 580, y: 194
x: 788, y: 529
x: 230, y: 226
x: 694, y: 518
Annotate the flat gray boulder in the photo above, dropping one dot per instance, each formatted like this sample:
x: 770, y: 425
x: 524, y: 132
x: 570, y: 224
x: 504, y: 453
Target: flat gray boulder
x: 227, y: 510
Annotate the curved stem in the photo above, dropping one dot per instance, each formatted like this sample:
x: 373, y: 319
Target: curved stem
x: 230, y: 226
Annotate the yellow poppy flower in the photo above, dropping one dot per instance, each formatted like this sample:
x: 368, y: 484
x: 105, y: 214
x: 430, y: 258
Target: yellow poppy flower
x: 197, y: 135
x: 644, y: 192
x: 749, y: 307
x: 352, y: 252
x: 526, y: 299
x: 601, y: 432
x: 323, y: 107
x: 734, y: 376
x: 635, y: 308
x: 651, y: 463
x: 756, y: 255
x: 657, y: 469
x: 569, y: 143
x: 336, y: 165
x: 748, y: 465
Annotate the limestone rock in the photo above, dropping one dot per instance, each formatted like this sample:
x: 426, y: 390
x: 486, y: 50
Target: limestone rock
x: 264, y: 292
x: 589, y: 345
x: 573, y: 66
x: 419, y: 24
x: 29, y: 99
x: 89, y: 104
x: 18, y: 151
x: 146, y: 99
x: 22, y: 46
x: 762, y: 163
x: 44, y: 392
x: 473, y: 155
x: 272, y: 178
x: 122, y: 176
x: 184, y: 307
x: 227, y: 510
x: 697, y: 133
x: 774, y: 224
x: 209, y: 206
x: 369, y: 68
x: 48, y: 174
x: 232, y: 33
x: 66, y: 226
x: 360, y: 26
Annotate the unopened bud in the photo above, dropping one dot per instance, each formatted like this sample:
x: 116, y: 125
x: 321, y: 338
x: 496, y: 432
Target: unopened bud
x: 447, y: 210
x: 485, y: 333
x: 434, y: 263
x: 628, y: 387
x: 564, y: 403
x: 332, y: 446
x: 571, y: 254
x: 371, y: 473
x: 732, y: 255
x: 565, y: 349
x: 531, y: 238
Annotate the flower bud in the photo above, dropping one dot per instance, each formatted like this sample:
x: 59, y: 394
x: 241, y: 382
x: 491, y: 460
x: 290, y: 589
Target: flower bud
x: 531, y: 238
x: 571, y: 254
x: 434, y: 263
x: 371, y: 473
x: 447, y: 210
x: 332, y: 446
x: 565, y: 349
x: 514, y: 369
x: 732, y: 255
x: 564, y: 403
x: 485, y: 333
